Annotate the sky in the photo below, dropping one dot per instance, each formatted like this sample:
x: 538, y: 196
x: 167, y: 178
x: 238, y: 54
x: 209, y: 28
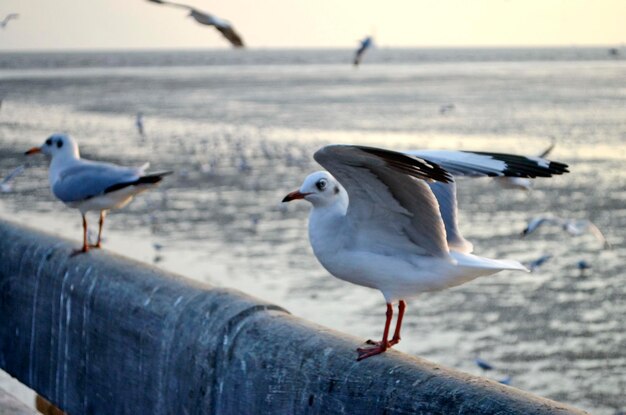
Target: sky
x: 138, y: 24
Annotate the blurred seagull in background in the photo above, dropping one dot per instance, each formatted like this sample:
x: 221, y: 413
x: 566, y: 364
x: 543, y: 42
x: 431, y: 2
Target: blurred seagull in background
x: 574, y: 227
x: 388, y: 220
x: 535, y: 264
x: 446, y: 108
x: 139, y: 123
x: 6, y: 185
x: 483, y: 364
x: 522, y: 183
x: 366, y: 43
x: 223, y: 26
x: 8, y: 18
x: 91, y: 185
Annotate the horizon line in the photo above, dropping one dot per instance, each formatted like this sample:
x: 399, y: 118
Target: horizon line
x: 294, y: 48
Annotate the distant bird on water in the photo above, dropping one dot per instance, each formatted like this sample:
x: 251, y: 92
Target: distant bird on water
x: 8, y: 18
x: 388, y: 220
x: 574, y: 227
x: 91, y: 185
x: 224, y: 26
x: 366, y: 43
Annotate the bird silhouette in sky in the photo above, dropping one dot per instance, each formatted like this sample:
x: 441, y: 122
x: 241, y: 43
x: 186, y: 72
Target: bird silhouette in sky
x: 223, y: 26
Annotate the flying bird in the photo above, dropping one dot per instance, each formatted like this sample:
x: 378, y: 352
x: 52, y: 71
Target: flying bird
x: 388, y: 220
x: 8, y: 18
x: 139, y: 123
x: 574, y: 227
x: 536, y: 263
x: 91, y: 185
x: 6, y: 184
x: 483, y: 364
x: 223, y: 26
x: 366, y: 43
x: 522, y: 183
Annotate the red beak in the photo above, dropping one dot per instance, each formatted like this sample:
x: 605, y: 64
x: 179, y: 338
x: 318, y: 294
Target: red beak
x: 33, y: 150
x: 294, y: 196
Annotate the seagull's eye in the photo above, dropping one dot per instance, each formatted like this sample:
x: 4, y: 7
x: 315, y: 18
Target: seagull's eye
x: 60, y: 143
x: 321, y: 184
x: 49, y: 142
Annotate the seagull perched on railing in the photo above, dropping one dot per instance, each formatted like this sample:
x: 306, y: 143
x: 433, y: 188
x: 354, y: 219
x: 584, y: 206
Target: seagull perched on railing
x: 388, y: 220
x: 223, y: 26
x: 91, y: 185
x: 8, y: 18
x: 574, y: 227
x: 366, y: 43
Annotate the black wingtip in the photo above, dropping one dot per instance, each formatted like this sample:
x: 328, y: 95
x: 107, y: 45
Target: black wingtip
x: 411, y: 165
x: 522, y: 166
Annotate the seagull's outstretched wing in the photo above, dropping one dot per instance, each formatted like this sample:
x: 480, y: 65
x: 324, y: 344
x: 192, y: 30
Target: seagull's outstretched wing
x: 479, y: 164
x: 229, y: 33
x: 89, y: 179
x: 538, y: 221
x: 171, y: 3
x: 389, y: 199
x: 595, y: 231
x: 13, y: 174
x: 548, y: 150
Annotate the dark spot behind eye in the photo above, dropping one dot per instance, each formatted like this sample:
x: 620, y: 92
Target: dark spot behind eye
x: 60, y: 143
x: 49, y: 142
x: 336, y: 190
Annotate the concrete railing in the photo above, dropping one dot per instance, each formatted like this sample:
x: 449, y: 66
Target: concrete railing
x: 101, y: 334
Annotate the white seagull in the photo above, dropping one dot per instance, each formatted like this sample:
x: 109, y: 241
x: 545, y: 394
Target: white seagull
x: 91, y: 185
x: 522, y: 183
x: 223, y: 26
x: 8, y: 18
x: 388, y: 220
x: 574, y: 227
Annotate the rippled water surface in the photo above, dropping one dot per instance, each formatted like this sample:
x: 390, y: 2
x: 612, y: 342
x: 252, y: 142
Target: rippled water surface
x: 239, y: 129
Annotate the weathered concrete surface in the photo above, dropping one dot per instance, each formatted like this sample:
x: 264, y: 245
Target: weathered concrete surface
x: 10, y: 405
x: 100, y: 334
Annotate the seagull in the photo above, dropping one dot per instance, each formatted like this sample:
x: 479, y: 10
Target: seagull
x: 139, y: 123
x: 223, y: 26
x: 446, y: 108
x: 366, y: 43
x: 574, y: 227
x: 535, y: 264
x: 388, y: 220
x: 483, y: 364
x: 8, y: 18
x: 91, y: 185
x: 522, y: 183
x: 6, y: 184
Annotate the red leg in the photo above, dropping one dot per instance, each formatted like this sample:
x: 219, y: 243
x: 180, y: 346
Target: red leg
x: 85, y: 247
x: 396, y: 333
x: 364, y: 353
x: 102, y: 216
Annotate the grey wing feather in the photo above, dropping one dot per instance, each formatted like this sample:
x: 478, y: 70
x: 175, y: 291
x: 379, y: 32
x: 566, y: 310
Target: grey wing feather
x: 446, y: 196
x: 90, y: 179
x: 388, y: 196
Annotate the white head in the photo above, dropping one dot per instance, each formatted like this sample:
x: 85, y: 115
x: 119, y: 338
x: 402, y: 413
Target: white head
x: 319, y: 188
x: 57, y: 145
